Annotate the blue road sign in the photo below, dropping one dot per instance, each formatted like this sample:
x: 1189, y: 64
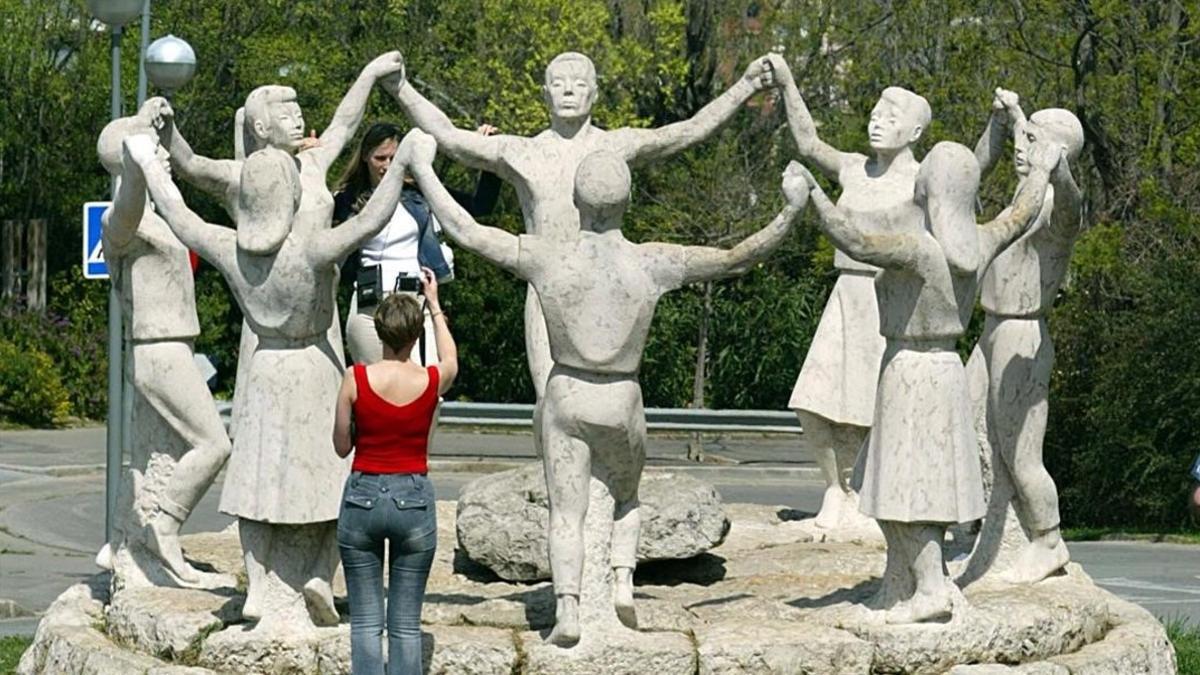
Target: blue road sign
x: 94, y: 266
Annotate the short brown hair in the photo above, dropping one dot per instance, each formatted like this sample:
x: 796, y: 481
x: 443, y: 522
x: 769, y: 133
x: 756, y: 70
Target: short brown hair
x: 399, y: 321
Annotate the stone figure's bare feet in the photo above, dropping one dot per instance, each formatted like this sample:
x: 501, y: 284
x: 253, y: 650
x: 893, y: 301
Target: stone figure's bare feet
x: 162, y: 539
x: 835, y: 502
x: 104, y: 557
x: 1037, y: 560
x: 318, y: 595
x: 921, y: 607
x: 566, y: 621
x: 623, y: 596
x: 252, y: 607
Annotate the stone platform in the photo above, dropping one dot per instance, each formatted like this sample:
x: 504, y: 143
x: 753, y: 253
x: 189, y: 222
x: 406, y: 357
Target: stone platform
x: 767, y: 600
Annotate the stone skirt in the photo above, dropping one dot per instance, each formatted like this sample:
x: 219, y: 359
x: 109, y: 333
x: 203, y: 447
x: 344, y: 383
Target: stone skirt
x: 283, y: 468
x: 922, y: 461
x: 841, y: 369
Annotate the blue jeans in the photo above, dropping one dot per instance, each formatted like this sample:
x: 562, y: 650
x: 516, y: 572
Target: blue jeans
x: 401, y: 509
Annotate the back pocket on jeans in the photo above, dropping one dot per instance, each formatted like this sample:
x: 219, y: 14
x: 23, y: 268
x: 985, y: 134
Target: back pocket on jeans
x: 359, y: 500
x: 405, y: 503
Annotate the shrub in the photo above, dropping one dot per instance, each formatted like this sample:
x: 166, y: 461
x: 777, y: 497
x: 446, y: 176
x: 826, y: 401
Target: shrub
x: 31, y: 392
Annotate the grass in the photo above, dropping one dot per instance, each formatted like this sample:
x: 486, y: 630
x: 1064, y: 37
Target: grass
x: 1186, y: 639
x: 11, y: 649
x: 1118, y: 534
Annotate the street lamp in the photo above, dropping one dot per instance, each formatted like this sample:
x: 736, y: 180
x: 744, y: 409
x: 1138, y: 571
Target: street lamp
x: 115, y: 13
x: 170, y: 63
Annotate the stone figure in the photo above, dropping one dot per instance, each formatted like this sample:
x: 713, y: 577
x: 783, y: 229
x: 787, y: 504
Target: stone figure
x: 921, y: 470
x: 542, y: 168
x: 834, y: 395
x: 1010, y: 366
x: 283, y: 480
x: 179, y: 443
x: 598, y: 291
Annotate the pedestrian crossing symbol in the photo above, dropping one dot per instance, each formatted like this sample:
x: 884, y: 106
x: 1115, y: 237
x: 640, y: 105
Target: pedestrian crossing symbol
x: 94, y: 266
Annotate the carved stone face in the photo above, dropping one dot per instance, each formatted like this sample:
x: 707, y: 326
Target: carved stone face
x: 891, y: 127
x: 570, y: 90
x: 1023, y: 141
x: 285, y: 127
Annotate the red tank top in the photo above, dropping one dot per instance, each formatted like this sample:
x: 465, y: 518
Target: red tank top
x: 392, y: 438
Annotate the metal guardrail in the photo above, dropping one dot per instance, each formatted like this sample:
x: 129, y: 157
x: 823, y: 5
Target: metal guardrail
x: 657, y: 419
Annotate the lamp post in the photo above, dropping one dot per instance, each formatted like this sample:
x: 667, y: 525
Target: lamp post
x: 115, y: 13
x: 170, y: 63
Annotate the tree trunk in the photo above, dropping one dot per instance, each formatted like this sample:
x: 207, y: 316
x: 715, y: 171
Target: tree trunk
x: 695, y: 445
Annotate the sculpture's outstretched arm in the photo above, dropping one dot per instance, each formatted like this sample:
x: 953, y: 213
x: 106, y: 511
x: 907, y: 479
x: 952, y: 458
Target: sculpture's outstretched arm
x: 643, y: 145
x: 890, y: 250
x: 333, y: 245
x: 804, y: 131
x: 471, y: 148
x: 702, y: 263
x: 1007, y: 117
x: 218, y: 177
x: 500, y: 247
x: 1009, y: 225
x: 129, y: 205
x: 214, y: 243
x: 349, y: 112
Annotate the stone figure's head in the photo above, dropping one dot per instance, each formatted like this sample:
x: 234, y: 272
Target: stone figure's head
x: 897, y: 120
x: 946, y: 186
x: 108, y: 147
x: 399, y: 321
x: 1056, y: 125
x: 268, y: 198
x: 274, y: 119
x: 570, y: 86
x: 602, y: 185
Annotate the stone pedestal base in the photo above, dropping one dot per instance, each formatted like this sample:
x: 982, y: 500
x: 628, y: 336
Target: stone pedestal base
x: 765, y: 601
x: 610, y: 651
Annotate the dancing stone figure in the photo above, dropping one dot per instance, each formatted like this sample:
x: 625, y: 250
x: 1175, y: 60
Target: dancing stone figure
x: 542, y: 168
x: 1010, y: 366
x: 834, y: 395
x: 284, y: 479
x: 921, y: 469
x: 179, y: 443
x: 599, y: 292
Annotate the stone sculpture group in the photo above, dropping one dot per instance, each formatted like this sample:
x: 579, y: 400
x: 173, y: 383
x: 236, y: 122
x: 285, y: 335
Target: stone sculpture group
x: 886, y: 403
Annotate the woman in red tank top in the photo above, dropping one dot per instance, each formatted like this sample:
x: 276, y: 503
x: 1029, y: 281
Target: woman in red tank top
x: 384, y: 415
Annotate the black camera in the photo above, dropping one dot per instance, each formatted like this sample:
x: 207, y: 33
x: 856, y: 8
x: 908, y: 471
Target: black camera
x: 408, y: 284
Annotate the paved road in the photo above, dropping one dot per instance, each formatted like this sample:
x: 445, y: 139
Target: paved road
x: 52, y: 509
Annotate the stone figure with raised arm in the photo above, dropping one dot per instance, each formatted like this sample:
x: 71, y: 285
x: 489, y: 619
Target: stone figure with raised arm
x: 598, y: 291
x: 542, y: 168
x: 283, y: 480
x: 834, y: 394
x: 921, y: 471
x: 179, y: 443
x: 1010, y: 366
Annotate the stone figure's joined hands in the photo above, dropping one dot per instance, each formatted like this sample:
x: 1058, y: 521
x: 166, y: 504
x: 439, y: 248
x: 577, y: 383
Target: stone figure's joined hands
x: 761, y: 73
x: 158, y: 112
x: 796, y: 184
x: 1006, y: 105
x: 389, y: 71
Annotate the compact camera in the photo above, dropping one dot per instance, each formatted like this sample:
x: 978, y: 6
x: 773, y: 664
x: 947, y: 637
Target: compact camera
x: 407, y: 284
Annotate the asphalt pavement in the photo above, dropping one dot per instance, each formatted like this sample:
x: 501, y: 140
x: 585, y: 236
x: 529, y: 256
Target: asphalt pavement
x: 52, y: 509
